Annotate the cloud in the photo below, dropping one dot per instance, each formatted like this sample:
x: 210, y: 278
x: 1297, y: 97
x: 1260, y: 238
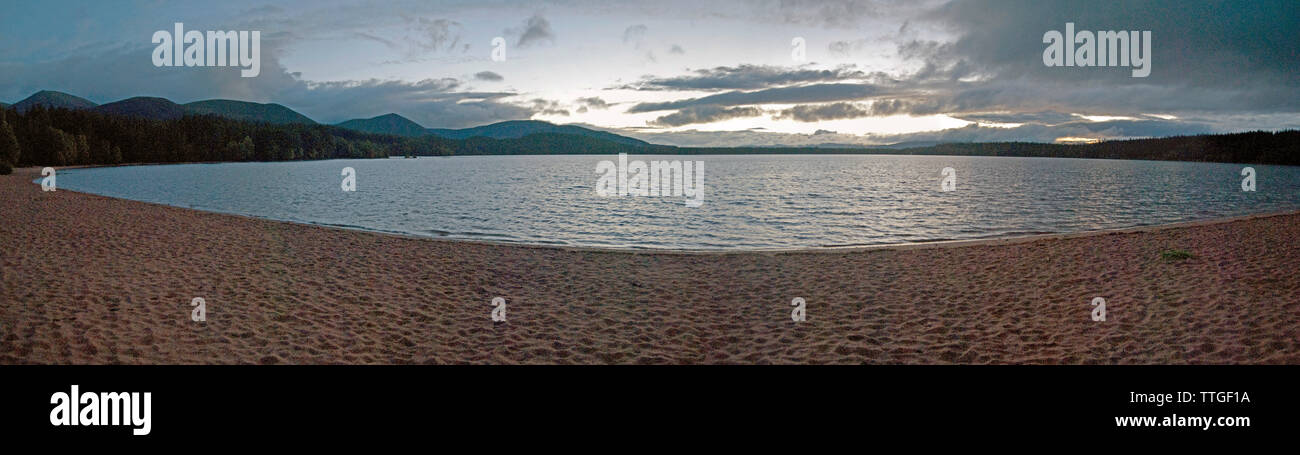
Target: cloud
x: 548, y: 107
x: 846, y: 48
x: 432, y: 35
x: 1223, y: 66
x: 834, y: 13
x: 488, y: 76
x: 535, y: 30
x: 387, y: 43
x: 704, y: 114
x: 746, y: 76
x: 1227, y: 57
x: 635, y: 35
x: 434, y: 103
x: 262, y: 10
x: 1034, y: 132
x: 1041, y: 117
x: 970, y: 133
x: 593, y: 102
x: 116, y: 73
x: 819, y: 112
x: 800, y: 94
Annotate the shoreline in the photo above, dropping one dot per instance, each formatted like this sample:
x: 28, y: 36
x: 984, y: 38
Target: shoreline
x: 90, y: 279
x: 955, y: 243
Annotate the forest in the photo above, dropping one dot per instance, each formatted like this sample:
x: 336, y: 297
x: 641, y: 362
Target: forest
x: 65, y: 137
x: 1255, y: 147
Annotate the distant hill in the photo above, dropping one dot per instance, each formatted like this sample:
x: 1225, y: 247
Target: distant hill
x: 513, y: 129
x: 144, y: 107
x: 519, y: 128
x: 246, y: 111
x: 909, y: 145
x: 386, y: 124
x: 155, y: 108
x: 53, y: 99
x: 4, y: 105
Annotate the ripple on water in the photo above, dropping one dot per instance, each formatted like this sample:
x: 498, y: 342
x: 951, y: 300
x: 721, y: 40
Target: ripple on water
x: 761, y: 201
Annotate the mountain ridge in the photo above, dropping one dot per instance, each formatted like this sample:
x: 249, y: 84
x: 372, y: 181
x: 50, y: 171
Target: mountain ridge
x: 389, y: 123
x: 248, y: 111
x: 158, y: 108
x: 150, y: 107
x: 52, y: 99
x: 396, y: 124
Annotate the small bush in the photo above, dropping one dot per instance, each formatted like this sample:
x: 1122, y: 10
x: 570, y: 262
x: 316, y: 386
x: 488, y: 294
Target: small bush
x: 1175, y: 255
x: 5, y: 168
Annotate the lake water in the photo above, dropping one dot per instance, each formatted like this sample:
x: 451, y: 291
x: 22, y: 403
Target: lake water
x: 750, y: 201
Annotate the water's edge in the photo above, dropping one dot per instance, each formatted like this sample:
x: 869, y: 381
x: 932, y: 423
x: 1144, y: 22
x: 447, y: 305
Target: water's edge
x: 1001, y: 240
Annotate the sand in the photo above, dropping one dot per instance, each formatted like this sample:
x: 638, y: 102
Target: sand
x: 94, y: 280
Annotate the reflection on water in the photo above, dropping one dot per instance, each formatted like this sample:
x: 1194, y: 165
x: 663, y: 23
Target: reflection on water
x: 763, y: 201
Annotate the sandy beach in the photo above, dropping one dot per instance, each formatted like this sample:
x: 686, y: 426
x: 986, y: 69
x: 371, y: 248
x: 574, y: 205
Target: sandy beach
x: 95, y: 280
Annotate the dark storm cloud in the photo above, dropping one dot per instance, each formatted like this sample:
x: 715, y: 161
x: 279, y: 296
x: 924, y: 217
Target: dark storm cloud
x: 1221, y: 60
x: 801, y: 94
x: 742, y: 77
x: 1226, y: 56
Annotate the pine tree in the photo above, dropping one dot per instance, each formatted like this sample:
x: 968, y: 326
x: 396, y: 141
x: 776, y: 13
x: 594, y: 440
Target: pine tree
x: 83, y: 150
x: 9, y: 150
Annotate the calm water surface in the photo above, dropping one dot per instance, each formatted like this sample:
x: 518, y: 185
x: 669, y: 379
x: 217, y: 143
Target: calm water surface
x: 751, y: 202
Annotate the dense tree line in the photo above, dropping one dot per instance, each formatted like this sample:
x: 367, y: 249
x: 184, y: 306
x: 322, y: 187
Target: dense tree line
x: 1257, y: 147
x: 63, y: 137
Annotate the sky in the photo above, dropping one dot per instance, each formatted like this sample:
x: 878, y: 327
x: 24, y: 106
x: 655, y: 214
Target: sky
x: 695, y: 73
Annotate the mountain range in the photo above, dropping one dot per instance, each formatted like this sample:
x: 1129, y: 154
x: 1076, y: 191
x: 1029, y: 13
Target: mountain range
x: 512, y: 129
x: 393, y: 124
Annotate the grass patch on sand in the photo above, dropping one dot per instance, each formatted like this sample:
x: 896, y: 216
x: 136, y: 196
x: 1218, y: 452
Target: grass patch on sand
x: 1176, y: 255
